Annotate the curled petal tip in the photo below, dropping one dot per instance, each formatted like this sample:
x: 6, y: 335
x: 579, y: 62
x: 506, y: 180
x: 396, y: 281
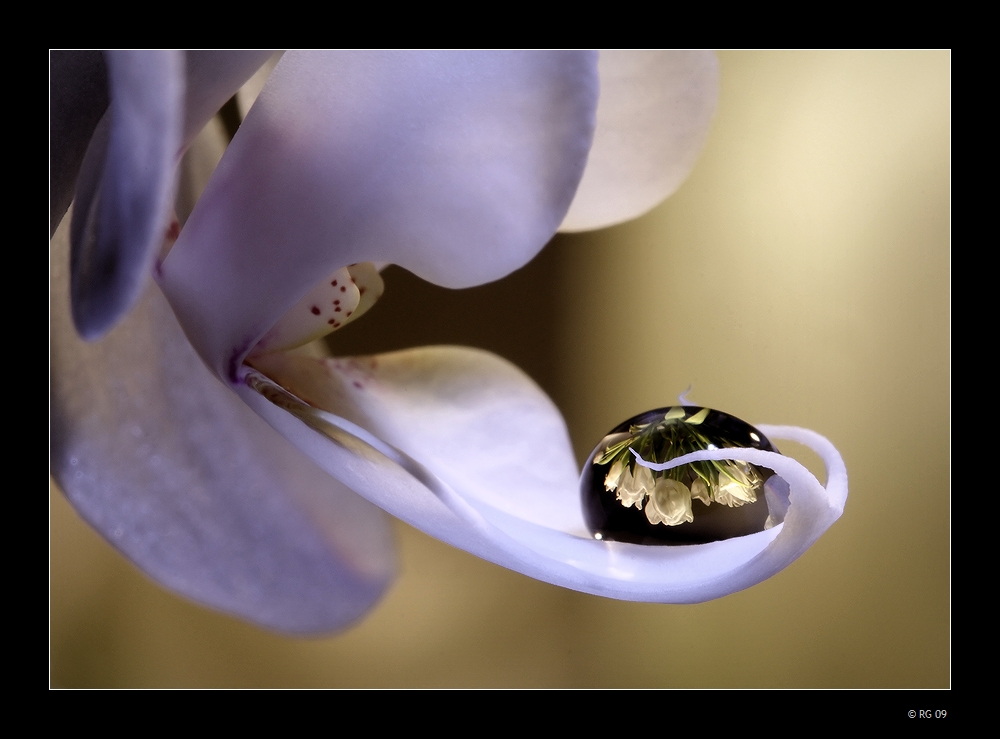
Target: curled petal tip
x: 465, y: 447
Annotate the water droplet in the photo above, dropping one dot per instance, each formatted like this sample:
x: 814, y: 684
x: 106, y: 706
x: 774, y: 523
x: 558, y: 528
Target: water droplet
x: 691, y: 504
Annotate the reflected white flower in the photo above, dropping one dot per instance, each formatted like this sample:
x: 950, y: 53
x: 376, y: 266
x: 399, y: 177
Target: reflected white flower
x: 636, y: 484
x: 737, y: 485
x: 699, y: 491
x: 613, y: 479
x: 669, y: 503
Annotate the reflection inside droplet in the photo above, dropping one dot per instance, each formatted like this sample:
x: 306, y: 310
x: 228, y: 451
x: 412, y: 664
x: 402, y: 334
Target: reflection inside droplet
x: 691, y: 504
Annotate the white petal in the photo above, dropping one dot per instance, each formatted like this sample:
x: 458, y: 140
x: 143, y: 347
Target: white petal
x: 159, y: 102
x: 126, y: 186
x: 652, y: 121
x: 212, y: 78
x: 194, y: 488
x: 446, y: 472
x: 458, y: 166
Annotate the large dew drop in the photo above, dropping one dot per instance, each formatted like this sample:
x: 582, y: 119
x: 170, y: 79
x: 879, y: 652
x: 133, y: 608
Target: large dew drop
x: 691, y: 504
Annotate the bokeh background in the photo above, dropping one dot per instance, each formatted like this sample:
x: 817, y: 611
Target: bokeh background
x: 800, y: 276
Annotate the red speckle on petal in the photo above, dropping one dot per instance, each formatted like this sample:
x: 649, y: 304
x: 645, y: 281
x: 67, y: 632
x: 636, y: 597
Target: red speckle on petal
x: 337, y: 309
x: 348, y: 312
x: 343, y: 289
x: 332, y: 322
x: 315, y: 310
x: 174, y: 230
x: 336, y: 302
x: 334, y: 283
x: 357, y: 384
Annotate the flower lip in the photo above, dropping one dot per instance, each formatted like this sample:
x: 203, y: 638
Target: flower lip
x: 521, y: 521
x: 337, y: 300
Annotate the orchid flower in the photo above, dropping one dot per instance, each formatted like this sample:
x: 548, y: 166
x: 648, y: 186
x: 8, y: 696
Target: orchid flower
x: 248, y: 474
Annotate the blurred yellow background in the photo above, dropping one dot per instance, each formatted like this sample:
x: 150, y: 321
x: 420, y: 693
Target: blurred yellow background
x: 800, y: 276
